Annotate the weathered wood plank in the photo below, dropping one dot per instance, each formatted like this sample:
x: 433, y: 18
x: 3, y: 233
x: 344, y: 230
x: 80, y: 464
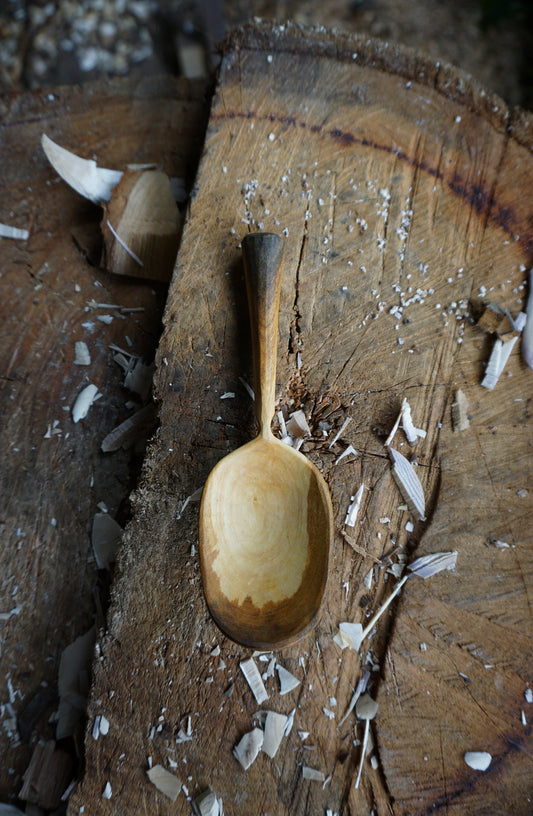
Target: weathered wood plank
x: 392, y: 180
x: 52, y: 483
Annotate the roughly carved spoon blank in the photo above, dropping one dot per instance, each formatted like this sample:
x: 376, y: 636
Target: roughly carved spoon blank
x: 266, y: 521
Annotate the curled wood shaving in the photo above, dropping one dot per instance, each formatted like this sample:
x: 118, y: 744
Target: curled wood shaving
x: 83, y: 175
x: 165, y: 782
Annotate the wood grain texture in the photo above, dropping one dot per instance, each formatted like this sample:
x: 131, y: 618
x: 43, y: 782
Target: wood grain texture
x: 403, y: 191
x: 52, y: 483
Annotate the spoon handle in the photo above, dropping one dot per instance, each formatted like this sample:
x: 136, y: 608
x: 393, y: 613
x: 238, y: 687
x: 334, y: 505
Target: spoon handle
x: 262, y: 253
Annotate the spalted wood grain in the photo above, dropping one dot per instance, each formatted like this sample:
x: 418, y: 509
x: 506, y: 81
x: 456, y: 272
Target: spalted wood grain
x: 403, y: 192
x: 52, y: 483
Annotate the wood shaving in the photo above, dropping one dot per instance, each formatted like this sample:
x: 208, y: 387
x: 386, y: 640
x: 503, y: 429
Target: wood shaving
x: 359, y: 689
x: 83, y: 402
x: 247, y: 749
x: 354, y: 507
x: 287, y: 681
x: 366, y: 708
x: 128, y: 432
x: 207, y: 804
x: 478, y: 760
x: 460, y: 420
x: 81, y: 354
x: 428, y: 565
x: 340, y: 432
x: 253, y: 678
x: 312, y: 774
x: 408, y: 484
x: 501, y: 351
x: 13, y: 232
x: 363, y: 752
x: 527, y: 334
x: 297, y: 425
x: 83, y: 175
x: 108, y: 791
x: 350, y: 450
x: 139, y: 379
x: 275, y: 730
x: 349, y: 635
x: 165, y: 782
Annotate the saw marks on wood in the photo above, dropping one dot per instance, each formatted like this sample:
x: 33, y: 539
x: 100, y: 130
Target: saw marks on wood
x: 392, y: 181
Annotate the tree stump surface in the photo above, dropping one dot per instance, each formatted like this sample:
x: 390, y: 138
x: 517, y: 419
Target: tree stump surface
x: 404, y: 194
x: 54, y: 474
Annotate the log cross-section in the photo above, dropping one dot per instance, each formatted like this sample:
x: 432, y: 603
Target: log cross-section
x: 403, y: 192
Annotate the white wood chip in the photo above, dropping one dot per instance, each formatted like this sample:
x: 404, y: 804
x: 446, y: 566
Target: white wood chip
x: 409, y: 484
x: 351, y: 634
x: 527, y: 333
x: 254, y: 680
x: 165, y: 782
x: 108, y: 791
x: 83, y: 175
x: 275, y: 728
x: 81, y: 354
x: 207, y: 804
x: 366, y: 708
x: 349, y: 450
x: 339, y: 433
x: 312, y: 774
x: 83, y: 402
x: 412, y: 434
x: 247, y: 749
x: 460, y: 421
x: 478, y: 760
x: 363, y: 752
x: 497, y: 361
x: 428, y: 565
x: 353, y: 509
x: 13, y: 232
x: 360, y: 689
x: 297, y: 425
x: 287, y: 681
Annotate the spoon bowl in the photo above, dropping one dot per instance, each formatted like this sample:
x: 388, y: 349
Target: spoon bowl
x: 266, y: 521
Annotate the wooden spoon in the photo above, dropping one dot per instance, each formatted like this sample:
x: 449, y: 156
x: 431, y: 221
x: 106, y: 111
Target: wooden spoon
x: 266, y: 521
